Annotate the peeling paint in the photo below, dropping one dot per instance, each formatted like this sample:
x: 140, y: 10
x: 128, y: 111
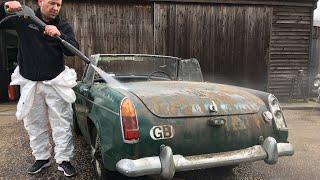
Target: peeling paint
x: 183, y: 99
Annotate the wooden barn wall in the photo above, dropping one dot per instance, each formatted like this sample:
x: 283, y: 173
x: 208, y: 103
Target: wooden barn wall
x: 231, y: 42
x: 256, y: 46
x: 109, y: 28
x: 246, y: 2
x: 315, y: 52
x: 289, y: 48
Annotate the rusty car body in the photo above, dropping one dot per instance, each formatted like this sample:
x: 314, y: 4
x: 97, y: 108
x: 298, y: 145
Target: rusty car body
x: 164, y: 118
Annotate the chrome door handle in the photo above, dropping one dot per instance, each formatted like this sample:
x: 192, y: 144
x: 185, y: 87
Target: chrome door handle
x: 216, y: 122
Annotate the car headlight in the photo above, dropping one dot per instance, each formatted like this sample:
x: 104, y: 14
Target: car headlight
x: 316, y: 83
x: 276, y: 111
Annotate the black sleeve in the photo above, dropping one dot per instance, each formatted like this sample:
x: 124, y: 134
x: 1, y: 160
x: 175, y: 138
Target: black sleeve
x: 8, y: 24
x: 68, y: 35
x: 2, y: 10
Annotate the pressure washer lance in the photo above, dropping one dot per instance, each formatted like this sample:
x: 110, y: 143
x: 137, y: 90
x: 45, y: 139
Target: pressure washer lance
x: 27, y: 12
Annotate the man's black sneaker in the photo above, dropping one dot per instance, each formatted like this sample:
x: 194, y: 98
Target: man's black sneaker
x: 38, y: 166
x: 67, y: 168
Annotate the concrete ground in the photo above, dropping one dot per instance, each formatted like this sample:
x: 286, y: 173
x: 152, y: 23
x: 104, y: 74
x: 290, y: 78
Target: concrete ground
x: 311, y: 105
x: 303, y: 124
x: 16, y: 157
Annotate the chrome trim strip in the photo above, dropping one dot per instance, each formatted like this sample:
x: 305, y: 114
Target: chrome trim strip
x: 135, y: 55
x: 107, y: 109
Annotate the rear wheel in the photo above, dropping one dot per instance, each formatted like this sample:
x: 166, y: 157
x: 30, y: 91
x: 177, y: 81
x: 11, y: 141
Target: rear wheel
x: 75, y: 126
x: 225, y: 172
x: 101, y: 172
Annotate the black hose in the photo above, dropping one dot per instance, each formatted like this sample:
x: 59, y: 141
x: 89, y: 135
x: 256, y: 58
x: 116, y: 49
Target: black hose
x: 6, y: 18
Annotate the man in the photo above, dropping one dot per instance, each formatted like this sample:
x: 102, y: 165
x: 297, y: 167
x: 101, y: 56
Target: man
x: 45, y: 82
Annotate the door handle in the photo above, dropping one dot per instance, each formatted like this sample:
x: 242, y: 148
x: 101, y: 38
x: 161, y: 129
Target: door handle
x: 84, y: 90
x: 216, y: 122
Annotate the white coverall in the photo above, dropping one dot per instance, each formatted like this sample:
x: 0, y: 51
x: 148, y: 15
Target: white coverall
x: 51, y: 100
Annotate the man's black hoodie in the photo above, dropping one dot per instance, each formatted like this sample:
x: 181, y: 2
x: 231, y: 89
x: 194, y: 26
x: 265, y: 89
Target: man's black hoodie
x: 40, y: 57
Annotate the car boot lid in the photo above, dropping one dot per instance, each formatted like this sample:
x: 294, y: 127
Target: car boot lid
x: 194, y: 99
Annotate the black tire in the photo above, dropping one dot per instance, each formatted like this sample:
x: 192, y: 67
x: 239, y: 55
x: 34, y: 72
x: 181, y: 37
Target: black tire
x: 225, y: 172
x: 75, y: 126
x: 101, y: 172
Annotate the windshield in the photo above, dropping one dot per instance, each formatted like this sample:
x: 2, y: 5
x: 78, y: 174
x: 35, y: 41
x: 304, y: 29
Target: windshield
x: 134, y: 67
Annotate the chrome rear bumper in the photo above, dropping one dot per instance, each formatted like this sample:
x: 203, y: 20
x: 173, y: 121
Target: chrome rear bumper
x: 167, y: 164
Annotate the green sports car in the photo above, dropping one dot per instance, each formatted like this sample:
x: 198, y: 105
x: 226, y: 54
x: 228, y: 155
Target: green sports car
x: 162, y: 118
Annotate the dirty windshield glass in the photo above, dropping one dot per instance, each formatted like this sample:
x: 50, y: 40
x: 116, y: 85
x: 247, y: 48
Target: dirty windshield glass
x: 143, y: 66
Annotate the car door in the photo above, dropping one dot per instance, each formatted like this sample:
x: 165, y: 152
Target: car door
x: 84, y: 101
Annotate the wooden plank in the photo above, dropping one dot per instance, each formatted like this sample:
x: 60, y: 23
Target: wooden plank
x: 289, y: 41
x: 230, y: 45
x: 286, y: 33
x: 306, y: 29
x: 289, y: 49
x: 289, y: 46
x: 246, y: 2
x: 292, y: 22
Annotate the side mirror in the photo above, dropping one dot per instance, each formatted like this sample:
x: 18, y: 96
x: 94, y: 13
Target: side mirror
x: 189, y: 70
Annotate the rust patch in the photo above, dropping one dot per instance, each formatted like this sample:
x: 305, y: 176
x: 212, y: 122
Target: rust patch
x: 185, y: 99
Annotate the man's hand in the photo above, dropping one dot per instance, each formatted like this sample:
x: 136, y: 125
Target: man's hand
x: 12, y: 6
x: 52, y: 31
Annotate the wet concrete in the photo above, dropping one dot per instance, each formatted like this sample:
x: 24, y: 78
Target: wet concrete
x: 16, y: 157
